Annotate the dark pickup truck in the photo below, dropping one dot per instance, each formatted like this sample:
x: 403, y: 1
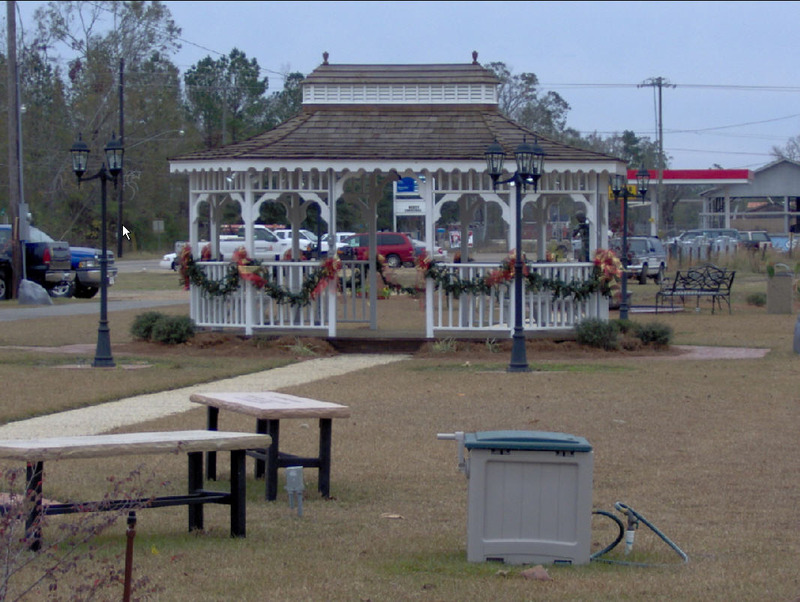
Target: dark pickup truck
x: 86, y: 263
x: 47, y: 263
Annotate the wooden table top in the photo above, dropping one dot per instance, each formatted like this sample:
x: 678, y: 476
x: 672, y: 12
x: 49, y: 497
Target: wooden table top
x: 95, y: 446
x: 269, y: 405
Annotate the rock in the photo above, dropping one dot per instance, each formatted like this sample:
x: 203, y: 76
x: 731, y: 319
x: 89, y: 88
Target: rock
x: 537, y: 573
x: 31, y: 293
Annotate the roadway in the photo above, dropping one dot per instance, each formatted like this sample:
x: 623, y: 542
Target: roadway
x: 10, y: 311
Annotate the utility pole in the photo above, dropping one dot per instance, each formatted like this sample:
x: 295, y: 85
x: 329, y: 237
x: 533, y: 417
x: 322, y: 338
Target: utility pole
x: 14, y: 196
x: 660, y: 83
x: 121, y: 187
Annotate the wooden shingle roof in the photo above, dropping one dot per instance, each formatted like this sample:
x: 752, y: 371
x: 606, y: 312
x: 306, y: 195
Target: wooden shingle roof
x: 437, y: 132
x: 386, y: 132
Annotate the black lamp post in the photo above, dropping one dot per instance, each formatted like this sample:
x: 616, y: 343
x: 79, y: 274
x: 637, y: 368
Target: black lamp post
x: 619, y: 187
x: 109, y: 170
x: 530, y: 166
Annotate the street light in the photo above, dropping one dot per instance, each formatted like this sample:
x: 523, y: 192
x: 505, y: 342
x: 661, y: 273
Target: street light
x: 530, y: 166
x: 110, y: 169
x: 619, y: 187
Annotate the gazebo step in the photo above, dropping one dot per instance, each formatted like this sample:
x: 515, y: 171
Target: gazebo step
x: 376, y: 345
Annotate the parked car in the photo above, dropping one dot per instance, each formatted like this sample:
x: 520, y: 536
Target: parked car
x: 710, y: 233
x: 647, y: 256
x: 268, y: 246
x: 86, y: 263
x: 755, y: 239
x: 439, y: 254
x: 396, y: 247
x: 169, y: 262
x: 47, y: 262
x: 308, y: 241
x: 341, y: 239
x: 5, y: 273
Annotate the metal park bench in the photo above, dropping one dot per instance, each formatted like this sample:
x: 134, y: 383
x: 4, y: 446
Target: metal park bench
x: 707, y: 281
x: 36, y: 451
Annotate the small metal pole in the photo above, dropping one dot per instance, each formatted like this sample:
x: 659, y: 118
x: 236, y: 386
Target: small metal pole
x: 131, y: 533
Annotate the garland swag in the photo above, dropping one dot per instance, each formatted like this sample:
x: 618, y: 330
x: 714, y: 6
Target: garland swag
x: 606, y: 272
x: 244, y: 268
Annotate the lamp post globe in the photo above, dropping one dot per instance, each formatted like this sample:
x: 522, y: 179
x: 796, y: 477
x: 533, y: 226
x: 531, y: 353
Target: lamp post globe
x: 80, y: 157
x: 114, y: 154
x: 642, y: 181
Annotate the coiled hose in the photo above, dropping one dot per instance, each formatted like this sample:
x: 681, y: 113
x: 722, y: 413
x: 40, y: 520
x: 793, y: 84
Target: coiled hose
x: 634, y: 518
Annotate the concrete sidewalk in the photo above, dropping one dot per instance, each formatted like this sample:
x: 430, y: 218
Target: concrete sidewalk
x: 105, y: 417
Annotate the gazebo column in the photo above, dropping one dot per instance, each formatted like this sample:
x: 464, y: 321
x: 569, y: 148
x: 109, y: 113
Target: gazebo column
x: 540, y: 209
x: 194, y: 219
x: 334, y: 192
x: 246, y: 206
x: 427, y: 190
x: 727, y: 209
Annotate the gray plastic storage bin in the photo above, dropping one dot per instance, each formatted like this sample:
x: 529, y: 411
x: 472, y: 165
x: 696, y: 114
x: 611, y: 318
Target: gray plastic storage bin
x: 530, y: 497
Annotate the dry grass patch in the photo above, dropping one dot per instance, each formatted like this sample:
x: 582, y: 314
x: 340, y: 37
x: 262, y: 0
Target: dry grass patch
x: 702, y: 448
x: 706, y: 450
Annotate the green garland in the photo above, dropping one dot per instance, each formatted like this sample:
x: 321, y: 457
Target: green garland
x: 445, y: 279
x: 196, y: 275
x: 454, y: 285
x: 580, y: 290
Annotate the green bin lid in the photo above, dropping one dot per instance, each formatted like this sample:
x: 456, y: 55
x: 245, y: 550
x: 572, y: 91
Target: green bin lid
x: 526, y: 440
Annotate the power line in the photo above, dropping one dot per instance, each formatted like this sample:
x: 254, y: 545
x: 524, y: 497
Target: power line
x: 732, y: 87
x: 736, y: 125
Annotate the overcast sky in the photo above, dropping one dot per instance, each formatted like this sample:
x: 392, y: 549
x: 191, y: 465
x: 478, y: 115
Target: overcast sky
x: 734, y: 64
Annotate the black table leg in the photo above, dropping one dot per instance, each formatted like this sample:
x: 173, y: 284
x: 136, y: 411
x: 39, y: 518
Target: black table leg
x: 212, y: 423
x: 261, y: 429
x: 325, y: 437
x: 33, y: 493
x: 273, y: 430
x: 238, y: 493
x: 195, y: 484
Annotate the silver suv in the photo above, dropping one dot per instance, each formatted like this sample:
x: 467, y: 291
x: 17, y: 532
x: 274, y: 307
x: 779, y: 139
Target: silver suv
x: 647, y: 257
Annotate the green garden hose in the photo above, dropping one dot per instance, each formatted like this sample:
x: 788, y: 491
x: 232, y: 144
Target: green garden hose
x: 634, y: 518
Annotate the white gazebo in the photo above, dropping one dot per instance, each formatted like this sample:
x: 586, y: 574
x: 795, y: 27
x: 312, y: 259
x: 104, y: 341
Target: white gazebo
x: 361, y: 127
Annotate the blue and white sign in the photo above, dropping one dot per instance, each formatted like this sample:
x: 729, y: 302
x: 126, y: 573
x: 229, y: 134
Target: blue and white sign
x: 407, y: 187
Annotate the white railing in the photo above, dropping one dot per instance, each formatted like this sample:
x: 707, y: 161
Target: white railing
x: 253, y: 309
x: 493, y: 313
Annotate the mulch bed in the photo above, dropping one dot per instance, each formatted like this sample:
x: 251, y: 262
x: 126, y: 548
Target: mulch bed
x: 218, y: 344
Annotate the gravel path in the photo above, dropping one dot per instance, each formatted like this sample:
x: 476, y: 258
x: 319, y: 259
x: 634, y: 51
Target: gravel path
x: 104, y: 417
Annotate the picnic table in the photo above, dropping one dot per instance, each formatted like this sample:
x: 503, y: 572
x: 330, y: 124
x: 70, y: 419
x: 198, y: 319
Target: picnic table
x: 194, y: 443
x: 269, y: 408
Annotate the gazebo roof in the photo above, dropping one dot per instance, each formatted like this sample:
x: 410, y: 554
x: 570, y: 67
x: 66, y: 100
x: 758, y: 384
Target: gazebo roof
x: 438, y: 132
x: 394, y: 112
